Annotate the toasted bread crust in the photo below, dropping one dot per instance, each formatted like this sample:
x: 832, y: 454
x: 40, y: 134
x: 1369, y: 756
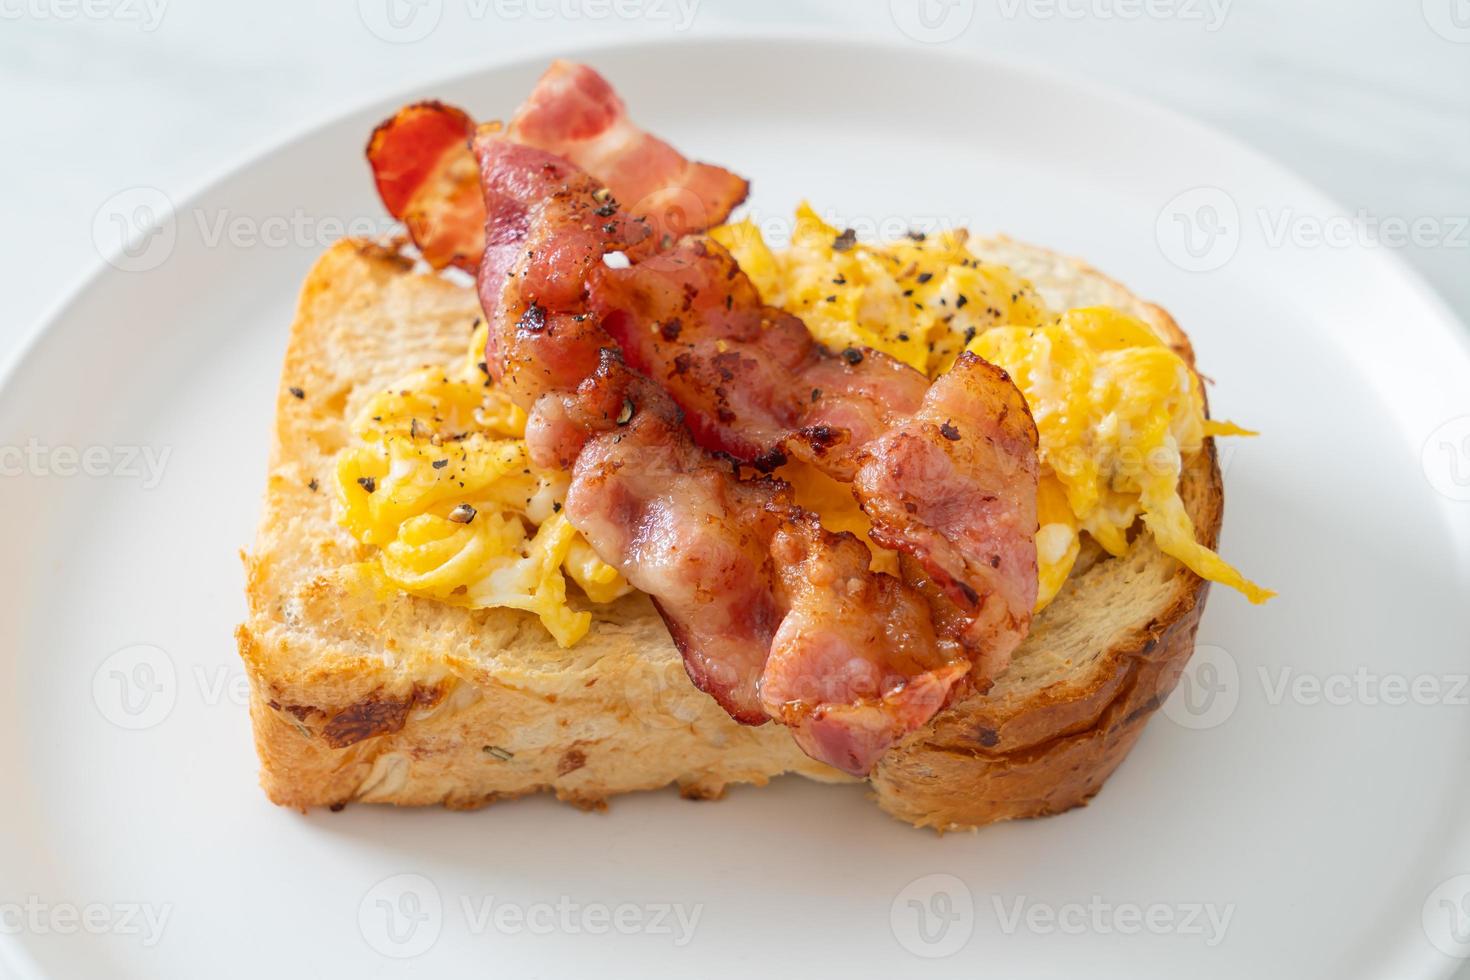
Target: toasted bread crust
x: 391, y: 698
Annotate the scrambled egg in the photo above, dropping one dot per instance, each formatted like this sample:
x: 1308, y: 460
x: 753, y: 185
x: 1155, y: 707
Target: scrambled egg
x: 1116, y: 410
x: 438, y: 478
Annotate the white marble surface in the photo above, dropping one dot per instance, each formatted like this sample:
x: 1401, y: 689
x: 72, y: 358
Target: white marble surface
x: 1366, y: 98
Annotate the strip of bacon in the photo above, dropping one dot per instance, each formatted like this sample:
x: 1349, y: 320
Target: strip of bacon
x: 774, y: 616
x: 427, y: 178
x: 574, y: 113
x: 954, y: 487
x: 756, y: 385
x: 752, y: 380
x: 425, y: 170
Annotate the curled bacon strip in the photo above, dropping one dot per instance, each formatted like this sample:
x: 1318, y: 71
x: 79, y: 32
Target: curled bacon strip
x: 425, y: 171
x: 751, y: 378
x: 775, y: 616
x: 757, y: 386
x: 427, y: 178
x: 954, y: 487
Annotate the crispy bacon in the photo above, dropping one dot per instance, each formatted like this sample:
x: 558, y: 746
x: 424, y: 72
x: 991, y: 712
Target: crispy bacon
x: 752, y: 380
x: 427, y: 178
x: 548, y: 226
x: 574, y: 113
x: 757, y: 386
x: 426, y: 173
x: 954, y: 487
x: 774, y: 616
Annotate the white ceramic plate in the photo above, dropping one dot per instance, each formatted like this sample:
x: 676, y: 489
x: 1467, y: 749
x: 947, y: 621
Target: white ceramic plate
x: 1299, y: 809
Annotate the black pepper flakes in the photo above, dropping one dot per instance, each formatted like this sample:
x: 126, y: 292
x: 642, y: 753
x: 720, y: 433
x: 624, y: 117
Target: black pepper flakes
x: 816, y: 394
x: 960, y: 303
x: 296, y: 392
x: 845, y: 241
x: 534, y: 319
x: 924, y: 277
x: 462, y: 514
x: 439, y: 464
x: 852, y: 356
x: 367, y: 483
x: 949, y: 432
x: 312, y: 485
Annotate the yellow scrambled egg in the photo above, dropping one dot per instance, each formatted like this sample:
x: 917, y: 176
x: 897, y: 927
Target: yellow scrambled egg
x: 438, y: 478
x: 1116, y: 410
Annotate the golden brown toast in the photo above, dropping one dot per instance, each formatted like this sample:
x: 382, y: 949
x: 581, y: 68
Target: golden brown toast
x: 364, y: 695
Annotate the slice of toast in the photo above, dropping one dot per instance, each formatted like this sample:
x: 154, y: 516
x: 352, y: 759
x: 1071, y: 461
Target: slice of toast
x: 361, y: 694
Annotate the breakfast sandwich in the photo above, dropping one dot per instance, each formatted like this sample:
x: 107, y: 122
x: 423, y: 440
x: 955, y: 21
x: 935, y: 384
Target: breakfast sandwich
x: 657, y: 501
